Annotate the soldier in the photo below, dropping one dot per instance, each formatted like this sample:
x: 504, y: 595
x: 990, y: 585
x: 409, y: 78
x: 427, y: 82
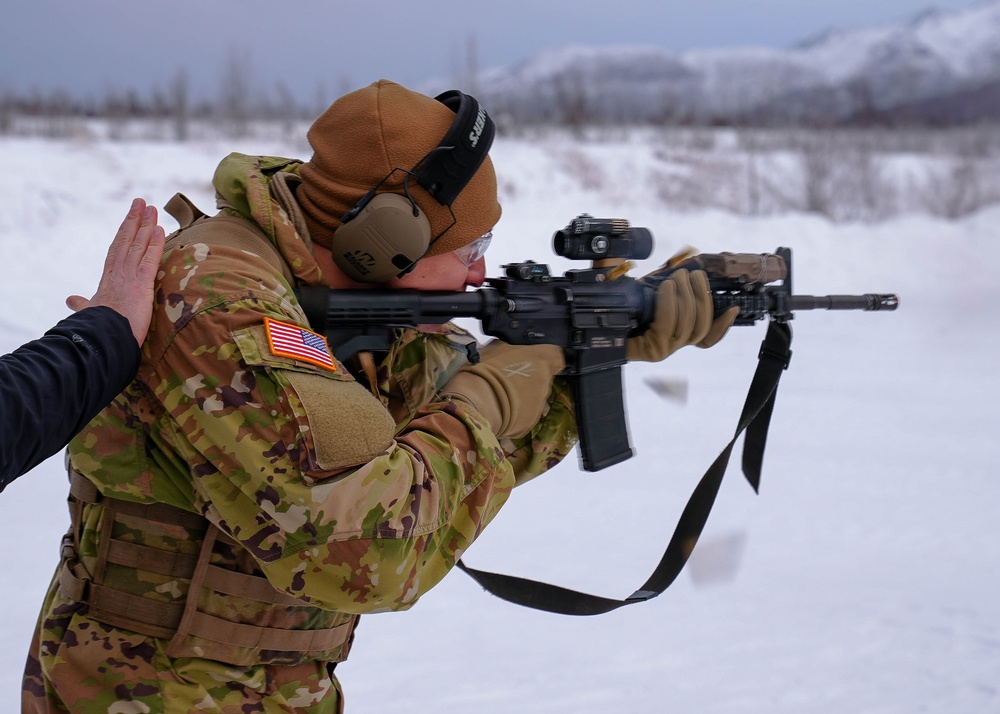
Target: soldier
x: 248, y: 496
x: 51, y: 387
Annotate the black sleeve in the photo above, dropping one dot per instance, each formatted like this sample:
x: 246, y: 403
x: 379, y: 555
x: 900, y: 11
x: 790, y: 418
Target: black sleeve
x: 51, y: 387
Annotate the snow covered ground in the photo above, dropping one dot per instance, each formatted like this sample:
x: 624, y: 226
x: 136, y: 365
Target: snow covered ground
x: 863, y: 578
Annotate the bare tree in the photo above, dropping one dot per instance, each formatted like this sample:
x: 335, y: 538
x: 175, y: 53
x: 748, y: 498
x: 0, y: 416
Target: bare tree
x: 817, y: 156
x: 234, y: 99
x: 875, y: 193
x: 750, y: 142
x: 114, y: 111
x: 570, y: 94
x: 860, y: 97
x: 472, y: 65
x: 954, y: 190
x: 57, y: 110
x: 6, y: 112
x: 286, y: 110
x: 181, y: 105
x: 465, y: 66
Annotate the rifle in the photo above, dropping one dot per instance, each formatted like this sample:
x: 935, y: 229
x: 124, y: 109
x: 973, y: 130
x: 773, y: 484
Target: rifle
x: 589, y: 312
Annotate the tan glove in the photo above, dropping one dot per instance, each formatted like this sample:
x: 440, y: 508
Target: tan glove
x: 509, y: 386
x: 684, y: 316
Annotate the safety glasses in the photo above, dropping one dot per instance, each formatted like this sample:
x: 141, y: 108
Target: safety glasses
x: 475, y: 250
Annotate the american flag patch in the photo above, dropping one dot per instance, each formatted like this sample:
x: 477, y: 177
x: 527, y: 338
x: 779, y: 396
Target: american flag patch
x: 294, y: 342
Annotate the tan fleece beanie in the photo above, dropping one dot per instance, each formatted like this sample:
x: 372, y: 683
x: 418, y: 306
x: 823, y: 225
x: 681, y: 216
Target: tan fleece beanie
x: 366, y: 134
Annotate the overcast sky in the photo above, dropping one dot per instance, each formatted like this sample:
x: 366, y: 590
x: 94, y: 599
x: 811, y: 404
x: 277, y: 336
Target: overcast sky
x: 324, y: 47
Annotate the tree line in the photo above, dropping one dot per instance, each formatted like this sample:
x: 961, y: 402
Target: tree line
x: 239, y: 107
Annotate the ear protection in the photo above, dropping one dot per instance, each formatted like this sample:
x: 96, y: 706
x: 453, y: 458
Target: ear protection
x: 385, y: 234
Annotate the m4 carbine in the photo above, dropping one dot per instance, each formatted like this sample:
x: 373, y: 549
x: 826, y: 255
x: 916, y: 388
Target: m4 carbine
x: 589, y: 312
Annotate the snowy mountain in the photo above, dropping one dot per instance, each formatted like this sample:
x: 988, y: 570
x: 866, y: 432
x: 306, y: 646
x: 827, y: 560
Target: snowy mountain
x: 863, y: 73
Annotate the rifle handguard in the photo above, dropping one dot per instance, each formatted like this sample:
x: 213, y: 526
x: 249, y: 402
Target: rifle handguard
x: 685, y: 315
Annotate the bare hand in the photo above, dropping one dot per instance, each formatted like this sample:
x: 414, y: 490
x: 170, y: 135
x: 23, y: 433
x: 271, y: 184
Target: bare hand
x: 129, y: 270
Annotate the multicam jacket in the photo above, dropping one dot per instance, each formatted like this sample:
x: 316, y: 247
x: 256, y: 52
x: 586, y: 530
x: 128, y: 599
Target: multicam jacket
x: 340, y: 497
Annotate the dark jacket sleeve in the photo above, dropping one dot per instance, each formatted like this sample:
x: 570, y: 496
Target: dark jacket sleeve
x: 51, y: 387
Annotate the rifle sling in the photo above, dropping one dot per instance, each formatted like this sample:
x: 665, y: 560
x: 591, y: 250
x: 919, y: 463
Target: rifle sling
x: 773, y: 359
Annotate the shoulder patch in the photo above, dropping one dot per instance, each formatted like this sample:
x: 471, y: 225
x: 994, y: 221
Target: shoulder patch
x: 298, y: 343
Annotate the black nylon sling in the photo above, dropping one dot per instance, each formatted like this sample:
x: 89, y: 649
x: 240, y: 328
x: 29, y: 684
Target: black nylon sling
x: 775, y: 353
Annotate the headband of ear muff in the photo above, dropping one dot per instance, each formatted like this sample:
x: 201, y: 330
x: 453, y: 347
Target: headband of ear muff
x: 446, y: 170
x: 384, y: 239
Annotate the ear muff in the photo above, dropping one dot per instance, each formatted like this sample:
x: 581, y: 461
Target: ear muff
x: 385, y: 234
x: 381, y: 240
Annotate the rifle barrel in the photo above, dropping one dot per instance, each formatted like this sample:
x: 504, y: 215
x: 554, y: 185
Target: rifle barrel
x: 868, y: 301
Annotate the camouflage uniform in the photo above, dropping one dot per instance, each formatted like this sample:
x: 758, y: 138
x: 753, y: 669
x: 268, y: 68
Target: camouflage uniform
x: 343, y: 513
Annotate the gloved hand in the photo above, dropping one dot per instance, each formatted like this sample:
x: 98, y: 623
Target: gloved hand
x: 684, y: 316
x: 509, y: 386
